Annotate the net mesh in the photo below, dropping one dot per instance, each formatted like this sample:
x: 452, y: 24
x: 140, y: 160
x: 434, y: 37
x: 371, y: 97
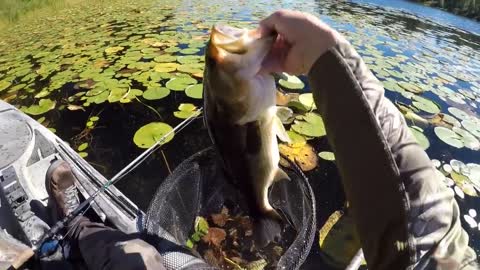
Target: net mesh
x: 198, y: 187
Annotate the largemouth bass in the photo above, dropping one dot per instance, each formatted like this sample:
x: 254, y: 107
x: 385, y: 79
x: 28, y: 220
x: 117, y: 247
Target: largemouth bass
x: 240, y: 114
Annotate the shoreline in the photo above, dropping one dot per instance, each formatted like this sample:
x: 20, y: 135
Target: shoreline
x: 464, y: 8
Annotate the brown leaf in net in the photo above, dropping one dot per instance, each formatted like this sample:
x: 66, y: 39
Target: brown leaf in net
x: 220, y: 219
x: 215, y: 236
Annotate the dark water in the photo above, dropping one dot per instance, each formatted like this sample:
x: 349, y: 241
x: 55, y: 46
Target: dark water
x: 380, y: 30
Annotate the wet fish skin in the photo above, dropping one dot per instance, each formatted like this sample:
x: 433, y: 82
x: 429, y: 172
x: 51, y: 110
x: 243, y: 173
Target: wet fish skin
x: 240, y: 115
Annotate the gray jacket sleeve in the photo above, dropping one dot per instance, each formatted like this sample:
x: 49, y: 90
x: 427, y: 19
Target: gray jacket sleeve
x: 405, y: 216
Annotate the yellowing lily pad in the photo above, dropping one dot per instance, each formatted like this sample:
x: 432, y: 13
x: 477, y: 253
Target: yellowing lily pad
x: 151, y: 133
x: 303, y: 156
x: 116, y: 94
x: 180, y: 83
x: 165, y: 67
x: 113, y: 50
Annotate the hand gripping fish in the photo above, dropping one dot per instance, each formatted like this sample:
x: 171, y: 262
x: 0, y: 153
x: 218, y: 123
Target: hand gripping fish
x: 240, y: 115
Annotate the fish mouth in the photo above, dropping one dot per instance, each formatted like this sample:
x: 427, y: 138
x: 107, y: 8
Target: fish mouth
x: 226, y: 40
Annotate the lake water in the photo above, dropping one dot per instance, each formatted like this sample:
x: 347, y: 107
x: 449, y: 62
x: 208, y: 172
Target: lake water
x: 63, y: 67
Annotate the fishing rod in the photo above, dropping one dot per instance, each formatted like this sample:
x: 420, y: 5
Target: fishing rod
x: 55, y: 229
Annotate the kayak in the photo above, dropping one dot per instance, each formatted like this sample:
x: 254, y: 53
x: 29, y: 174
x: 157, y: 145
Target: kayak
x: 26, y: 151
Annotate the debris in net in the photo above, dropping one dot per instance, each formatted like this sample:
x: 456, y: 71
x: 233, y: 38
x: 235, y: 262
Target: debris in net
x: 225, y: 240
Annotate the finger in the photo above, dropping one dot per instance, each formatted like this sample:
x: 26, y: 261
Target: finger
x: 274, y: 61
x: 273, y: 22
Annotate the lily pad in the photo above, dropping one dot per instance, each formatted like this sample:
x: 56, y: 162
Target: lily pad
x: 82, y: 147
x: 303, y: 156
x: 296, y: 140
x: 165, y: 58
x: 149, y: 134
x: 195, y: 91
x: 116, y: 94
x: 83, y: 154
x: 307, y: 101
x: 410, y: 87
x: 113, y: 50
x: 312, y: 126
x: 180, y: 83
x: 461, y: 115
x: 420, y: 137
x: 185, y: 110
x: 189, y: 51
x: 425, y: 105
x: 472, y: 126
x: 327, y: 155
x: 154, y: 93
x: 291, y: 82
x: 449, y: 137
x: 44, y: 105
x: 4, y: 85
x: 165, y: 67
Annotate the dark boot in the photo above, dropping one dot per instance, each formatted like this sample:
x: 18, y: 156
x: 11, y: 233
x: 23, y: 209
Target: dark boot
x: 60, y: 184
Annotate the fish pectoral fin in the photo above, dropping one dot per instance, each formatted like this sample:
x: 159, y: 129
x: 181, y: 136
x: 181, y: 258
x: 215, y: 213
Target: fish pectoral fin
x: 280, y: 175
x: 280, y: 130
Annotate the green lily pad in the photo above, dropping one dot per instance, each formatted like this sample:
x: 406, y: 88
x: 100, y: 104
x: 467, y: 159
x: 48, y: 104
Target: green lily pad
x: 195, y: 91
x: 449, y: 137
x: 44, y: 105
x: 94, y: 118
x: 83, y: 154
x: 191, y: 68
x: 327, y: 155
x: 116, y: 94
x: 180, y: 83
x: 461, y: 115
x: 312, y: 126
x: 307, y: 101
x: 189, y: 51
x: 149, y: 134
x: 82, y: 147
x: 154, y: 93
x: 189, y: 59
x: 410, y: 87
x: 185, y: 110
x: 42, y: 94
x: 113, y: 50
x: 469, y: 141
x: 4, y: 85
x: 296, y: 140
x: 420, y: 137
x: 291, y: 82
x: 172, y: 50
x: 425, y: 105
x: 472, y: 126
x: 165, y: 58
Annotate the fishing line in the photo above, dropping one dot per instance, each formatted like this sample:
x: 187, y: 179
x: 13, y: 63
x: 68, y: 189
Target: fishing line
x: 122, y: 173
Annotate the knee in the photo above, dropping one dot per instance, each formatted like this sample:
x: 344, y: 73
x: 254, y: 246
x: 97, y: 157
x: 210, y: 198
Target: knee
x: 136, y: 254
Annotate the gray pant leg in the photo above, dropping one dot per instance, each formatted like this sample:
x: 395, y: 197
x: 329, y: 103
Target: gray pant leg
x: 104, y: 248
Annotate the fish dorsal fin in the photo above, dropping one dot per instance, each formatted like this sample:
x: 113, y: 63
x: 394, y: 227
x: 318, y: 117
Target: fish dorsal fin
x: 280, y: 175
x: 280, y: 130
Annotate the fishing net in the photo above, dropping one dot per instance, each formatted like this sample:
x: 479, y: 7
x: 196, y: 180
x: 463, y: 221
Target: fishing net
x: 198, y: 187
